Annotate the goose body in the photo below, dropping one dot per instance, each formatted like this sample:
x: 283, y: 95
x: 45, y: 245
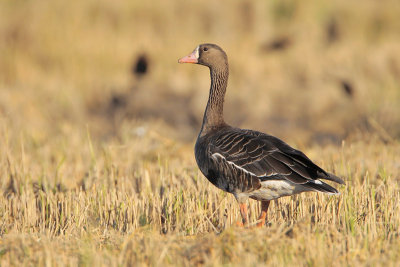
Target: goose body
x: 247, y: 163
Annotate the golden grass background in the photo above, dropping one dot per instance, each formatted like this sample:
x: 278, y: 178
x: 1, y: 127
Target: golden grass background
x: 97, y: 164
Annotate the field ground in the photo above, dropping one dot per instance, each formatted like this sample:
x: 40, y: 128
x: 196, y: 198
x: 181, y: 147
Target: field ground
x: 97, y: 164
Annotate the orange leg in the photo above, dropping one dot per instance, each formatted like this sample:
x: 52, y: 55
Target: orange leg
x: 243, y: 212
x: 263, y: 215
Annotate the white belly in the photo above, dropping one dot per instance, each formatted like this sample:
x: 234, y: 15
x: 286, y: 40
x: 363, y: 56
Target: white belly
x: 275, y: 189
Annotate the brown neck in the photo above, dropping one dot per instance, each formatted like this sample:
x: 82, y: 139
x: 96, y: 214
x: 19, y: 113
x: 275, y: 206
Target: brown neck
x: 214, y: 114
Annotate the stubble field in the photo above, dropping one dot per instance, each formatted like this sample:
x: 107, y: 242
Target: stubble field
x: 96, y: 159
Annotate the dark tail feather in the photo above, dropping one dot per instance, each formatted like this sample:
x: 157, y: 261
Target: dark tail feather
x: 321, y: 187
x: 330, y: 177
x: 334, y: 178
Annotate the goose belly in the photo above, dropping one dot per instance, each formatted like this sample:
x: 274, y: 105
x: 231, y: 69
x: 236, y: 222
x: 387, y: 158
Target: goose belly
x: 270, y: 190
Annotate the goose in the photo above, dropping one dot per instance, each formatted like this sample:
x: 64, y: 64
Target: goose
x: 248, y: 163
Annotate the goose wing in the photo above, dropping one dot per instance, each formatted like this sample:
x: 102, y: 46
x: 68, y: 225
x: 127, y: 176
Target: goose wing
x: 265, y: 157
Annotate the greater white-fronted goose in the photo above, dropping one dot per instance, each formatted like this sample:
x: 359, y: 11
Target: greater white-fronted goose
x: 246, y: 163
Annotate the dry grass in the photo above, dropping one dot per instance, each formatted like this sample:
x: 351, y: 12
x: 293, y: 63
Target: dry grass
x: 87, y: 182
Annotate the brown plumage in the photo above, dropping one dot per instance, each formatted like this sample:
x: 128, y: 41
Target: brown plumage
x: 246, y: 163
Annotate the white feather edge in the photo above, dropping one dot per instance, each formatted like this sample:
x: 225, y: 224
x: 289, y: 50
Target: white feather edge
x: 215, y: 155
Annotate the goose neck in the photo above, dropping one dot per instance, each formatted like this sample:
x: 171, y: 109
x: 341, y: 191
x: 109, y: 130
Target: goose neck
x: 213, y: 115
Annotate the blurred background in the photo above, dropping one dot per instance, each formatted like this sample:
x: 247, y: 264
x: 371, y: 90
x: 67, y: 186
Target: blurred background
x: 306, y: 71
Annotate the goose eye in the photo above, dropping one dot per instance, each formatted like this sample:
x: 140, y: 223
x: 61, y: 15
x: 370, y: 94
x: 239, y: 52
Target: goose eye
x: 205, y: 49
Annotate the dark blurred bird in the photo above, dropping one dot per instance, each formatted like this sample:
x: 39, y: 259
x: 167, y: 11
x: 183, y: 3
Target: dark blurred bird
x: 278, y: 44
x: 332, y: 31
x: 347, y: 88
x: 247, y: 163
x: 140, y: 67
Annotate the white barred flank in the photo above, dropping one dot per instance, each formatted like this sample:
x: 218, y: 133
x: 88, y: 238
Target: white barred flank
x: 275, y: 189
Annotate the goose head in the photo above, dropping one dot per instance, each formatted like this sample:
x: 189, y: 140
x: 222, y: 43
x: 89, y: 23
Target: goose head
x: 209, y: 55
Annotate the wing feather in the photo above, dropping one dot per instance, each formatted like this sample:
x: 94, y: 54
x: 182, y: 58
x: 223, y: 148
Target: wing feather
x: 265, y: 157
